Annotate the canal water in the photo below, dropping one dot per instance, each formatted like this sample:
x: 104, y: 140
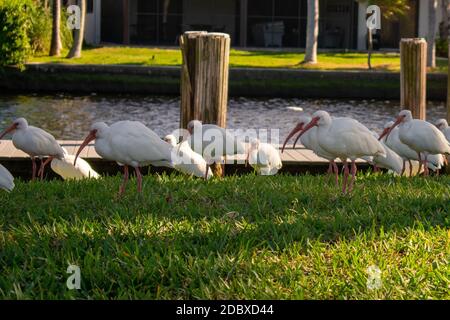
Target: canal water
x: 69, y: 117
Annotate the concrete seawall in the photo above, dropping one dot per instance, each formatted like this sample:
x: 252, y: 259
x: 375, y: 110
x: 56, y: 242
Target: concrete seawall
x: 250, y: 82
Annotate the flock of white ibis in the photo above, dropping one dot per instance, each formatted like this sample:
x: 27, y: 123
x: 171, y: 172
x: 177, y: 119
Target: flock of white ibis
x: 406, y: 139
x: 132, y: 144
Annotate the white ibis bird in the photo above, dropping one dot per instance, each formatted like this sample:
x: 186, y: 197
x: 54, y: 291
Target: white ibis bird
x: 421, y: 136
x: 442, y: 125
x: 67, y: 170
x: 345, y: 138
x: 6, y: 179
x: 264, y: 158
x: 129, y: 143
x: 213, y: 142
x: 309, y: 140
x: 185, y: 160
x: 408, y: 155
x: 35, y: 142
x: 392, y: 161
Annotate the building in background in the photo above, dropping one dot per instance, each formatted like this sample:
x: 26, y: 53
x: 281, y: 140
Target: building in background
x: 250, y: 23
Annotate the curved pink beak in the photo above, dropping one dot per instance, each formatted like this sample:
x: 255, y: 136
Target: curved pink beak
x: 91, y: 136
x: 389, y: 130
x: 9, y: 129
x: 297, y: 128
x: 311, y: 124
x: 385, y: 132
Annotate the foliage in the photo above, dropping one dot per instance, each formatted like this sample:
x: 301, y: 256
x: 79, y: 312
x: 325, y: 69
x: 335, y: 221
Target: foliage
x: 442, y: 48
x: 247, y: 237
x: 390, y: 9
x: 26, y: 30
x: 15, y: 26
x: 41, y: 29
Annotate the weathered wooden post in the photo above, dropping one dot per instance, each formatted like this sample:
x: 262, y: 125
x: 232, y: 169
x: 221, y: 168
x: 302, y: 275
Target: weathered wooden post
x: 448, y: 95
x: 204, y: 79
x: 448, y: 82
x: 413, y: 76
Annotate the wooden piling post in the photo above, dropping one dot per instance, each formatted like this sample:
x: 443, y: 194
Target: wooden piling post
x: 413, y: 76
x: 204, y: 79
x: 448, y: 82
x: 448, y: 97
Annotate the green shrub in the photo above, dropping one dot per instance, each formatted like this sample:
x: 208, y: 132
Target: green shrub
x: 66, y: 33
x: 15, y: 25
x: 442, y: 48
x: 41, y: 29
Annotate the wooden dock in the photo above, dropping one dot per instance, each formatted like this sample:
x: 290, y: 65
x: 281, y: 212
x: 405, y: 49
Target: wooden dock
x: 298, y: 160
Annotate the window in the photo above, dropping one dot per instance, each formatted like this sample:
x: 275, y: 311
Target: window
x: 89, y: 6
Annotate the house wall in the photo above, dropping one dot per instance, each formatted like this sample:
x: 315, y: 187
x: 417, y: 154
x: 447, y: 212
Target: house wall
x: 423, y: 18
x: 92, y: 25
x: 201, y: 12
x: 362, y: 26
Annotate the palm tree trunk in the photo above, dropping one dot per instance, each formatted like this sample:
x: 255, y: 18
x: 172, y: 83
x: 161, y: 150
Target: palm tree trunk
x: 431, y: 38
x: 312, y: 32
x: 55, y: 46
x: 445, y: 20
x: 369, y: 48
x: 75, y: 51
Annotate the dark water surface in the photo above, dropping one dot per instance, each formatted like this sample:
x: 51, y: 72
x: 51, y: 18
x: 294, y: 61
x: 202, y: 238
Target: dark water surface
x: 69, y: 117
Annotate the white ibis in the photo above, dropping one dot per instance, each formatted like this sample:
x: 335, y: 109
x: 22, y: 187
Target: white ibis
x: 6, y: 179
x: 408, y: 155
x: 442, y: 125
x: 392, y: 161
x: 35, y: 142
x: 264, y: 158
x: 67, y: 170
x: 129, y: 143
x: 345, y: 138
x: 309, y: 140
x: 213, y: 142
x: 421, y: 136
x: 185, y: 160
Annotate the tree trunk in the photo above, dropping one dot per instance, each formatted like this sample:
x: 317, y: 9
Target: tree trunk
x: 55, y: 47
x: 448, y: 21
x: 431, y: 38
x: 444, y: 32
x: 369, y: 48
x: 312, y: 32
x: 75, y: 51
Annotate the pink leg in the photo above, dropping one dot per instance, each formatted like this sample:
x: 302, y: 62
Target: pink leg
x: 329, y: 171
x: 352, y: 181
x: 41, y: 170
x: 410, y: 168
x: 420, y: 163
x: 139, y: 179
x: 125, y: 180
x: 346, y: 173
x: 336, y: 173
x: 43, y: 164
x: 403, y: 168
x: 206, y: 171
x: 375, y: 168
x: 425, y: 166
x: 33, y: 163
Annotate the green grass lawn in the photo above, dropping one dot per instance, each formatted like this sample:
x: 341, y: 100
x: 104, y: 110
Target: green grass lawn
x: 238, y: 58
x: 281, y: 237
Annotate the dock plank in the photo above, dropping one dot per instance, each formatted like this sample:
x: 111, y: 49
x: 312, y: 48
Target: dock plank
x: 298, y: 156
